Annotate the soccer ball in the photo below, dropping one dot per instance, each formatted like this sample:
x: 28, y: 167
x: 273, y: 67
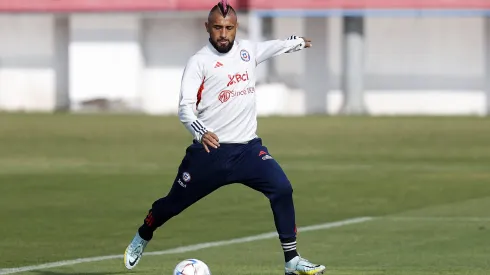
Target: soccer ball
x: 192, y: 267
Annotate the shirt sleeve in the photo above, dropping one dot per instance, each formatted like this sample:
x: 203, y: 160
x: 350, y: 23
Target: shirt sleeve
x: 192, y: 84
x: 272, y: 48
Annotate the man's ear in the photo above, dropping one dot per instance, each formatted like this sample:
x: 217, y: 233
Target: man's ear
x: 206, y: 25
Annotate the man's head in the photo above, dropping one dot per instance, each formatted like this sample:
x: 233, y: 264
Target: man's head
x: 221, y: 26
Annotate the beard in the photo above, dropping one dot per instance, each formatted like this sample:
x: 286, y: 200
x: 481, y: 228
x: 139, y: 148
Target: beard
x: 221, y: 48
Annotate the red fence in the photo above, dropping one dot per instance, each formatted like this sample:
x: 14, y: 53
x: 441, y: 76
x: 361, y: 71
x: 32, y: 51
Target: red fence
x: 370, y: 4
x: 105, y: 5
x: 181, y: 5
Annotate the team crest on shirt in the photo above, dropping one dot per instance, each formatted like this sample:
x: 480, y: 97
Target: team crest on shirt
x: 245, y: 55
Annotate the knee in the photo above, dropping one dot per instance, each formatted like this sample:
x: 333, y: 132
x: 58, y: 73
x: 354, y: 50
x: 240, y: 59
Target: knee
x: 282, y: 189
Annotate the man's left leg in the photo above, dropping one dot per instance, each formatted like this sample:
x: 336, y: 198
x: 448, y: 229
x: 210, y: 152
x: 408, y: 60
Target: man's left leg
x: 258, y: 170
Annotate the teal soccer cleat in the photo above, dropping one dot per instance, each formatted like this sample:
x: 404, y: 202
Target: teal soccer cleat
x: 134, y: 251
x: 300, y: 266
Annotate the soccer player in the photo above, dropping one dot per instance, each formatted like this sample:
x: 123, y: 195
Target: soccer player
x: 219, y: 81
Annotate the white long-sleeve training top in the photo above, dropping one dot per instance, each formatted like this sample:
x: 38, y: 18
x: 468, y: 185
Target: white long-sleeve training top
x: 220, y: 88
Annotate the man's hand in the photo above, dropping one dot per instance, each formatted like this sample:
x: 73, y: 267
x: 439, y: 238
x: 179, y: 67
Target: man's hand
x: 308, y: 42
x: 209, y: 139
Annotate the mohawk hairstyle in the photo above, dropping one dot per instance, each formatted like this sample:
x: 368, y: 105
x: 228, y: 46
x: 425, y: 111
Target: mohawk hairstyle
x: 224, y: 7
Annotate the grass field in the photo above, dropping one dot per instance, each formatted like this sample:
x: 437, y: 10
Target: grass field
x: 79, y: 186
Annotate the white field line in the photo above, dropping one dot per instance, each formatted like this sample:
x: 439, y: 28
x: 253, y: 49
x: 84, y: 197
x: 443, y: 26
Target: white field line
x: 439, y: 219
x: 183, y: 249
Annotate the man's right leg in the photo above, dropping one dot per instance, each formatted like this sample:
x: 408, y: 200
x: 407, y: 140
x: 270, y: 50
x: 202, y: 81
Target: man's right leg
x: 199, y: 175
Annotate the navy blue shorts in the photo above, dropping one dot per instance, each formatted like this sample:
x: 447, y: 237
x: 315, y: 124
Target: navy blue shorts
x: 251, y: 164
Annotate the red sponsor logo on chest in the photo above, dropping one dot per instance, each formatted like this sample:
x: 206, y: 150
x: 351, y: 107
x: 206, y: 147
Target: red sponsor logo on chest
x: 237, y: 78
x: 226, y: 95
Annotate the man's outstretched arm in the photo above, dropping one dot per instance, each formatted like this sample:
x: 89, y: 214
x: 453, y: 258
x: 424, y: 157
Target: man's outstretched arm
x: 272, y: 48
